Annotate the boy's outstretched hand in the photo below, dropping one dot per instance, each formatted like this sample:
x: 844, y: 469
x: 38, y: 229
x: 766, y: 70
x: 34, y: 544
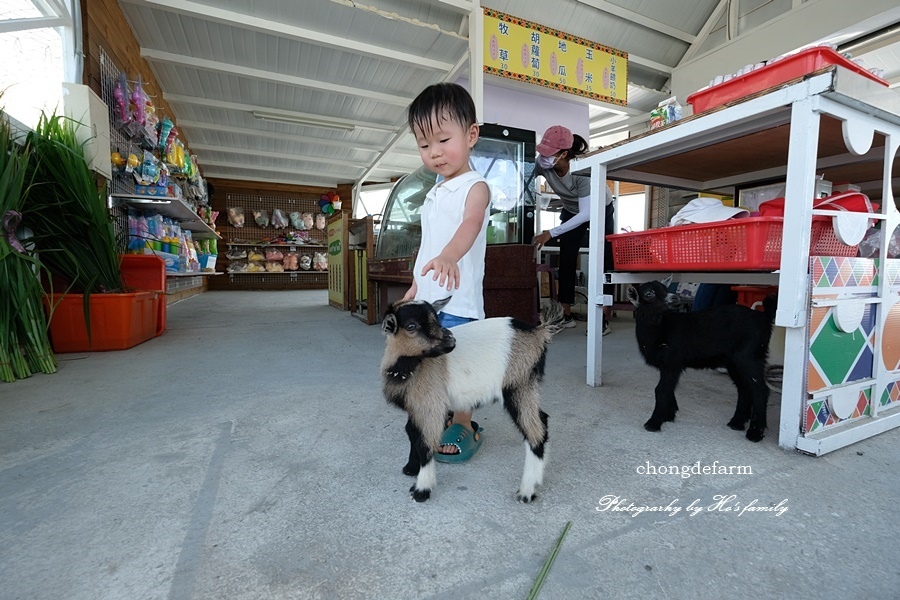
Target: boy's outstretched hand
x: 446, y: 272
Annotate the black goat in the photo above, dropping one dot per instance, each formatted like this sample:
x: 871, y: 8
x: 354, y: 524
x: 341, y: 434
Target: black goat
x: 730, y: 336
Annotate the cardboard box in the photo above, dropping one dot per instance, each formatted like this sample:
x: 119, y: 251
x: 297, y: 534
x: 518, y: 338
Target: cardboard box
x: 159, y: 191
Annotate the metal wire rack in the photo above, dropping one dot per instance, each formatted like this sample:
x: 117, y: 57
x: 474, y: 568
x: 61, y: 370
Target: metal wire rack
x: 254, y: 235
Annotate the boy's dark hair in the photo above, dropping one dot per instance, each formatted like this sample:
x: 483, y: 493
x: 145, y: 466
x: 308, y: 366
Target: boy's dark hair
x: 441, y: 100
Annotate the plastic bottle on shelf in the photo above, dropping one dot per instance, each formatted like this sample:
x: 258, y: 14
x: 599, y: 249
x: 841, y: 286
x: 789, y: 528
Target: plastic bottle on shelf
x: 155, y: 230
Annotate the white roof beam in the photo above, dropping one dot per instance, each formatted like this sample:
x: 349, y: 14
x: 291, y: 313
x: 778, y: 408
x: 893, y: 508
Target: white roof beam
x: 216, y: 174
x: 704, y: 31
x: 275, y: 135
x: 13, y: 25
x: 279, y: 156
x: 224, y: 175
x: 184, y: 124
x: 618, y: 124
x: 225, y: 164
x: 251, y: 23
x: 394, y: 16
x: 275, y: 77
x: 460, y: 6
x: 294, y: 157
x: 639, y: 19
x: 651, y: 64
x: 178, y: 98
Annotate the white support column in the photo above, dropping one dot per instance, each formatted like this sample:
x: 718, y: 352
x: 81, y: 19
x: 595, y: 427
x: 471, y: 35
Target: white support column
x: 793, y: 293
x: 595, y: 276
x: 476, y: 58
x: 881, y: 374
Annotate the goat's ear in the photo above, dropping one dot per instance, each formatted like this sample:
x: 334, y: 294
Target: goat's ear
x: 667, y: 281
x: 440, y: 304
x: 389, y: 324
x: 632, y: 295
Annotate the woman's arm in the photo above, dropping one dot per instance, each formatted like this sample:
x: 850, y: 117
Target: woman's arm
x: 583, y: 216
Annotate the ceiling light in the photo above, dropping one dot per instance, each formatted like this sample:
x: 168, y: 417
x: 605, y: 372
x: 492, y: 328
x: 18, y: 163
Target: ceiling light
x: 300, y: 120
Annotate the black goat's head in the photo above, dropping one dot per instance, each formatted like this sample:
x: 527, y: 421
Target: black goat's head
x: 413, y: 328
x: 653, y: 294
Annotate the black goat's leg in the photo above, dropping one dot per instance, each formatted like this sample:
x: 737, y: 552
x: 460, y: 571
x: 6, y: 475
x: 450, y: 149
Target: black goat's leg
x: 757, y: 428
x: 744, y: 384
x: 665, y: 407
x: 425, y: 472
x: 411, y: 468
x: 427, y: 424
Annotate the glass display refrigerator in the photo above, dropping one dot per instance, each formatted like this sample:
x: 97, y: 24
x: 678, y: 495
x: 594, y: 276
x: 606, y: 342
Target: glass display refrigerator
x: 505, y: 158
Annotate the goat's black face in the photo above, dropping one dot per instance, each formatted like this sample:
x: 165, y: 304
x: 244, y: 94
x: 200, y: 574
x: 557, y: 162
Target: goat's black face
x: 414, y: 327
x: 653, y: 293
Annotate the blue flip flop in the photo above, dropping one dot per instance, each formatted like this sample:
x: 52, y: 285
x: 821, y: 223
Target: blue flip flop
x: 466, y: 441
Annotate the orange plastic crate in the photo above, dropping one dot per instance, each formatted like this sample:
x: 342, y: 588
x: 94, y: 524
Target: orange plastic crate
x: 771, y: 75
x: 147, y: 272
x: 118, y: 321
x: 749, y: 244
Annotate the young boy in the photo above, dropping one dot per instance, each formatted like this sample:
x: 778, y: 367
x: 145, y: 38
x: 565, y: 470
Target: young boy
x: 454, y: 225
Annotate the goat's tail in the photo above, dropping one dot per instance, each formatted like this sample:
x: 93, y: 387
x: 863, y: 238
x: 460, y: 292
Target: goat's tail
x: 552, y: 316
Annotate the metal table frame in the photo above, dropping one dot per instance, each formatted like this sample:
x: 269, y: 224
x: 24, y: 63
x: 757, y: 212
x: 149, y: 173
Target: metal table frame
x: 863, y: 108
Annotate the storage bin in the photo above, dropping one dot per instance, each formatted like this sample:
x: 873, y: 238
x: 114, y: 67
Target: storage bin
x: 118, y: 321
x: 773, y: 74
x: 147, y: 273
x: 749, y: 244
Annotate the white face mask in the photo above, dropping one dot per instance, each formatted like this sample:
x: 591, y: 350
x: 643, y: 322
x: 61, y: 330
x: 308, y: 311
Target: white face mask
x: 547, y: 162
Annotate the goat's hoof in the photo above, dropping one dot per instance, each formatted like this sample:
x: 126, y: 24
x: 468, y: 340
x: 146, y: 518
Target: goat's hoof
x: 419, y: 495
x: 736, y: 424
x: 652, y: 426
x: 411, y: 469
x: 525, y: 499
x: 755, y: 434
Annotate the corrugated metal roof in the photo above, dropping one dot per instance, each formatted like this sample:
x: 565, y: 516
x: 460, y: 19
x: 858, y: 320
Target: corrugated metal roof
x: 360, y: 63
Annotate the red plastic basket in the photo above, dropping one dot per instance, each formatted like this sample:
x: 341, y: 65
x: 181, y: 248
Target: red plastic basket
x: 749, y: 244
x: 776, y: 73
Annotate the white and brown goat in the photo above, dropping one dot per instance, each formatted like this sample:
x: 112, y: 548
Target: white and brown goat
x: 428, y: 371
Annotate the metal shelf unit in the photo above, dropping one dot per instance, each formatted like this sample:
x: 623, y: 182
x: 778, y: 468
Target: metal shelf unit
x: 173, y: 208
x: 833, y: 122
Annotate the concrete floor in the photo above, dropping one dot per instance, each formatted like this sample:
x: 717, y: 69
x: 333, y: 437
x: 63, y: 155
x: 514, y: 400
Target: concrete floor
x: 248, y: 453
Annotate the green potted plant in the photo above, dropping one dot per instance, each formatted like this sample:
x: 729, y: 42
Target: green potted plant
x: 76, y: 238
x: 24, y: 346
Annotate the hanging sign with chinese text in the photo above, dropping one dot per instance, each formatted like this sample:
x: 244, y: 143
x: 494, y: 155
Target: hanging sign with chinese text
x: 529, y: 52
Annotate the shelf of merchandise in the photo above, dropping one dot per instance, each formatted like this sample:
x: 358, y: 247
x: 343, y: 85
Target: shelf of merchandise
x: 309, y: 272
x: 834, y: 122
x: 266, y: 245
x: 173, y: 208
x: 267, y: 280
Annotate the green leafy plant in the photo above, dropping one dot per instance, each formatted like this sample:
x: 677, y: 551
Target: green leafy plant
x: 24, y: 345
x: 67, y: 211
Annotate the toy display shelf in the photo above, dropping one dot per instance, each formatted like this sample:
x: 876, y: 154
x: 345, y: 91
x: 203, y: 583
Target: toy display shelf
x: 297, y: 272
x: 264, y: 245
x: 836, y: 123
x: 173, y: 208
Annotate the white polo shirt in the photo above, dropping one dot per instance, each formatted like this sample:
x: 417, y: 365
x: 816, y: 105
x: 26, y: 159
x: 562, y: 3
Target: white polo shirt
x: 442, y: 214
